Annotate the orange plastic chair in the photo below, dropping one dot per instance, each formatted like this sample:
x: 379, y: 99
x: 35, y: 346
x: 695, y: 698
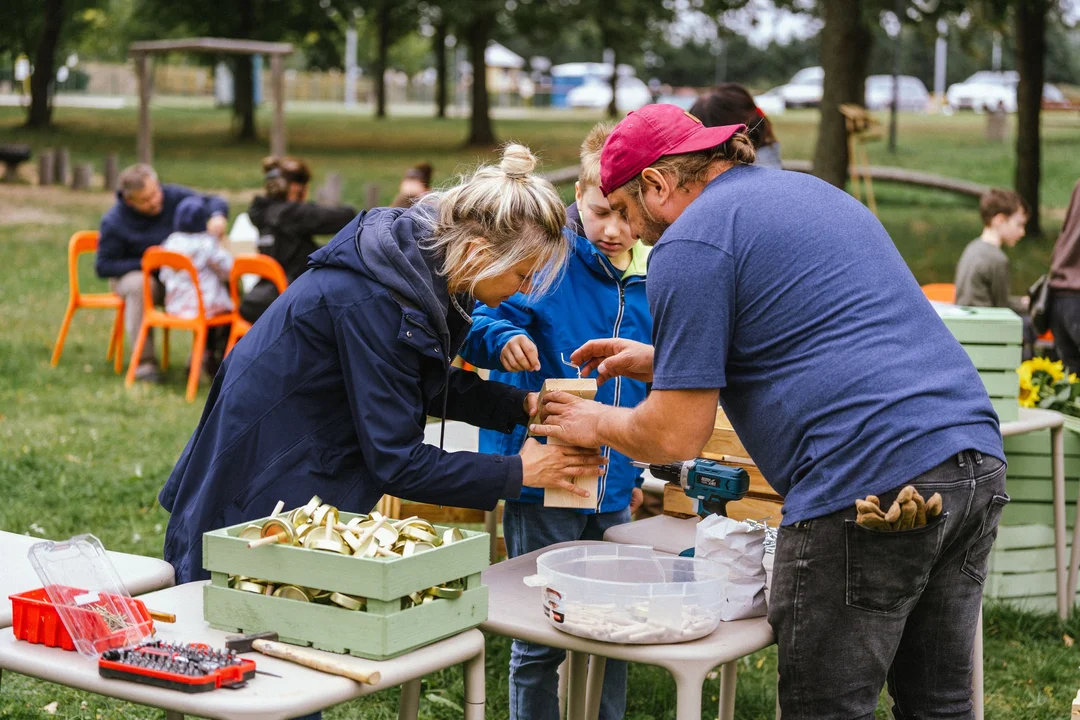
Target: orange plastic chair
x: 940, y: 292
x: 261, y: 265
x: 153, y: 259
x: 86, y: 241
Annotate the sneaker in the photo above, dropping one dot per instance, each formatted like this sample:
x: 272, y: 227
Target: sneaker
x: 148, y: 373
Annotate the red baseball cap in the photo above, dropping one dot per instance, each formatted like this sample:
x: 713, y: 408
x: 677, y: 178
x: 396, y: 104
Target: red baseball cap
x: 646, y: 135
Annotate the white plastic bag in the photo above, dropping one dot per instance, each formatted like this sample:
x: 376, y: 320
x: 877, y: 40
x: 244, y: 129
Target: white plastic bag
x: 740, y: 549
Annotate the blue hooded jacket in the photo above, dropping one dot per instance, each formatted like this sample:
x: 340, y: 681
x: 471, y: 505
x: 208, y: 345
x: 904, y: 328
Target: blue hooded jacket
x: 591, y: 300
x: 328, y: 394
x: 126, y: 234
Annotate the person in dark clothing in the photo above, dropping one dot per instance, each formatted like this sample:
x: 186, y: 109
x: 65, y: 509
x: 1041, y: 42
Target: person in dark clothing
x: 143, y: 217
x: 732, y: 104
x: 286, y: 224
x: 330, y: 391
x: 1065, y: 287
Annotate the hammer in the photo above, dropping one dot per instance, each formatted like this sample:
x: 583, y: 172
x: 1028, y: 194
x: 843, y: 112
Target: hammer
x: 267, y: 644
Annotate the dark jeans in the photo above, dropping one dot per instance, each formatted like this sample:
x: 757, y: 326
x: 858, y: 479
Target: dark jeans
x: 853, y: 608
x: 1065, y: 324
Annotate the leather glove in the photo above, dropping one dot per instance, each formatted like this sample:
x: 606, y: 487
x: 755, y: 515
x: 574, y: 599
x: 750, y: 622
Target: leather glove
x: 907, y: 512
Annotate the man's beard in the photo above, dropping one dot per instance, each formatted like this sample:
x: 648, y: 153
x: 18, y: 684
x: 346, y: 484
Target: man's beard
x: 653, y: 228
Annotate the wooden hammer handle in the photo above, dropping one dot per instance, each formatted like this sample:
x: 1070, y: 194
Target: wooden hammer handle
x: 314, y: 660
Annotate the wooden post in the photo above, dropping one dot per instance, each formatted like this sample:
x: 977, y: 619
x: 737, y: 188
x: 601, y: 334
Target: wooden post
x: 112, y: 172
x: 61, y: 166
x: 277, y: 129
x: 329, y: 193
x: 45, y: 168
x: 142, y: 75
x: 82, y: 177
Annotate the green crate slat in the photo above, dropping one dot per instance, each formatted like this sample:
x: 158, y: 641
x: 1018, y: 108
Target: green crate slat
x: 1031, y: 603
x: 1038, y: 490
x: 1024, y: 561
x: 1012, y: 537
x: 1034, y: 513
x: 983, y: 325
x: 1007, y: 409
x: 1038, y: 443
x: 367, y: 635
x: 374, y: 578
x: 1000, y: 383
x: 1011, y: 586
x: 994, y: 357
x: 1040, y: 467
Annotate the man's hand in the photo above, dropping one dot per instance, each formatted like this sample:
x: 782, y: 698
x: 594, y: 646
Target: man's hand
x: 552, y: 466
x: 531, y: 403
x: 520, y: 355
x: 217, y: 226
x: 615, y: 357
x: 637, y: 496
x: 571, y: 419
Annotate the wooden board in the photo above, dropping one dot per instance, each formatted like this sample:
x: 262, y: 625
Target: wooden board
x: 983, y: 325
x: 677, y: 504
x: 583, y: 388
x: 994, y: 357
x: 1000, y: 383
x: 723, y: 440
x: 769, y: 511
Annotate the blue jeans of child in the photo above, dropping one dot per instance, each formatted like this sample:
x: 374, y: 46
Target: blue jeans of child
x: 534, y: 684
x: 854, y: 608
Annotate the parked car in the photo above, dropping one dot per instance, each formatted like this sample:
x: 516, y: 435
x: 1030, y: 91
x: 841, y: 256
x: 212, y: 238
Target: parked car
x: 989, y: 90
x: 913, y: 94
x: 630, y: 94
x: 804, y: 89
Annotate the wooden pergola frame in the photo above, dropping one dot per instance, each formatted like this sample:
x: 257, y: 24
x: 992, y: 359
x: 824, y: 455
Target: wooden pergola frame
x: 141, y: 51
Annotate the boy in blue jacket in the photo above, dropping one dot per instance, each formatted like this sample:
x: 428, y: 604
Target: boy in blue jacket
x: 523, y: 342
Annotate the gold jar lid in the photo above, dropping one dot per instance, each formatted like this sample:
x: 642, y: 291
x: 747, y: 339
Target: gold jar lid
x: 452, y: 535
x: 349, y: 602
x: 277, y: 526
x: 414, y: 532
x: 445, y: 591
x: 292, y: 592
x: 250, y: 586
x: 298, y: 517
x: 251, y: 532
x: 312, y: 505
x: 327, y: 540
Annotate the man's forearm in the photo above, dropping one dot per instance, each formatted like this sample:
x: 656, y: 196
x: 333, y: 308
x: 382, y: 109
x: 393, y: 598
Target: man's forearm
x: 630, y: 431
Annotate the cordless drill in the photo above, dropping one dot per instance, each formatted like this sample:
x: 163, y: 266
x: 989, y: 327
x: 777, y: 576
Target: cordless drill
x: 706, y: 481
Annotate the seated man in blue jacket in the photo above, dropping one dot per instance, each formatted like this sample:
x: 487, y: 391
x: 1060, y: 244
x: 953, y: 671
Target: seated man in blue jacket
x: 142, y: 218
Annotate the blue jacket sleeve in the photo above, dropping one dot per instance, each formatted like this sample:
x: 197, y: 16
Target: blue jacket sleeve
x: 492, y: 328
x: 110, y: 260
x: 383, y: 383
x: 215, y: 205
x: 482, y: 403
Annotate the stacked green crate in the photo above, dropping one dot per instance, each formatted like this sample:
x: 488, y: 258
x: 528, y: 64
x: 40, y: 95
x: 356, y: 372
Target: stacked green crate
x: 1022, y: 563
x: 992, y: 338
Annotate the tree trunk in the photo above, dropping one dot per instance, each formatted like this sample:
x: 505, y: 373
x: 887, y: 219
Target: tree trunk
x: 438, y: 45
x: 613, y: 106
x: 381, y: 61
x: 845, y: 54
x: 1030, y: 54
x: 243, y: 78
x: 480, y: 130
x: 40, y: 113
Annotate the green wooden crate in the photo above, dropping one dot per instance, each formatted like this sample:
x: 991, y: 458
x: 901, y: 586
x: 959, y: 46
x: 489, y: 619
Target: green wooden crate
x: 1038, y: 443
x: 1001, y: 383
x: 994, y: 357
x: 378, y: 578
x: 981, y: 325
x: 1020, y: 512
x: 381, y: 632
x: 1022, y: 569
x: 1007, y: 409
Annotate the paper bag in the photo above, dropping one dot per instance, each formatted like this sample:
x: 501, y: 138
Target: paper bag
x: 740, y: 549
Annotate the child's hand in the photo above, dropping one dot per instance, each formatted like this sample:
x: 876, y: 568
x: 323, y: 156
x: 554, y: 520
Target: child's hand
x: 217, y: 226
x: 520, y: 354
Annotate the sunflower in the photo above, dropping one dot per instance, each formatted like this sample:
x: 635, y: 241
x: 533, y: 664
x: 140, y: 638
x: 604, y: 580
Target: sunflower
x: 1055, y: 370
x: 1029, y: 396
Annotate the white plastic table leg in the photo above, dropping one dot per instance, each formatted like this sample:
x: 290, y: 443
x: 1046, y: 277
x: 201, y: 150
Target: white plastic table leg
x: 728, y: 673
x: 688, y: 695
x: 595, y: 690
x: 564, y: 675
x: 579, y: 666
x: 409, y: 707
x: 977, y: 700
x: 475, y: 688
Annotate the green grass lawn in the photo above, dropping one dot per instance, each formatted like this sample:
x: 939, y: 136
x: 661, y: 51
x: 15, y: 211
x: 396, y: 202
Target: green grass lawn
x: 79, y: 453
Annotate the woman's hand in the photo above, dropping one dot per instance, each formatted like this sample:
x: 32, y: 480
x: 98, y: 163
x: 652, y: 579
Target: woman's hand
x: 531, y: 404
x: 552, y: 466
x: 615, y: 357
x: 520, y: 354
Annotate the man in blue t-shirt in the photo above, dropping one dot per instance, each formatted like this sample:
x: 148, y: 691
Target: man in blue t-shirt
x: 785, y: 299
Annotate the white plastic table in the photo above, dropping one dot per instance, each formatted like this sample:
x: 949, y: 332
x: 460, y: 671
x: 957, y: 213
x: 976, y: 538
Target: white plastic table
x: 299, y: 691
x: 140, y: 574
x: 515, y: 610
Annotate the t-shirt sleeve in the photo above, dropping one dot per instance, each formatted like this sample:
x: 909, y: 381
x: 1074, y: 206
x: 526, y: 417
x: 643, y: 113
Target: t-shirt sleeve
x: 691, y: 287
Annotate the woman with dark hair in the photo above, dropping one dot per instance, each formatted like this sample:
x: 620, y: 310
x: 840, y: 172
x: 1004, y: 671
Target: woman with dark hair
x: 286, y: 224
x: 415, y: 184
x: 732, y: 104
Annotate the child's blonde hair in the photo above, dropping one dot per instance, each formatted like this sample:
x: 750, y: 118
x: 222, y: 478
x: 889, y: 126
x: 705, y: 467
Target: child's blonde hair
x: 589, y: 175
x: 515, y: 215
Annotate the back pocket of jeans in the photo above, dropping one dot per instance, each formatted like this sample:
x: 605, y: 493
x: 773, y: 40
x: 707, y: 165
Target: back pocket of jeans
x: 888, y: 569
x: 977, y: 558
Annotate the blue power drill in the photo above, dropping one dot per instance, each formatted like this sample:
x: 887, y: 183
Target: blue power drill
x: 706, y: 481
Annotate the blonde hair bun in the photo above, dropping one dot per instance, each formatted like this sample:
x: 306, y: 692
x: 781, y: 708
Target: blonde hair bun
x: 517, y: 161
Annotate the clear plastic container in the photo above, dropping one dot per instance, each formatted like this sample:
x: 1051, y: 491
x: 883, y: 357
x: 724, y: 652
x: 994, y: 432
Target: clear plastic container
x: 89, y: 596
x: 629, y: 594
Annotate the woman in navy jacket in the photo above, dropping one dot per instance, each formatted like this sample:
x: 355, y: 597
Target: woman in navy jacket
x: 329, y: 392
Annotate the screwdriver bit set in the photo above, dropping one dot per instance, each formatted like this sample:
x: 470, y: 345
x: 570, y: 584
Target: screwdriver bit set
x: 187, y: 667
